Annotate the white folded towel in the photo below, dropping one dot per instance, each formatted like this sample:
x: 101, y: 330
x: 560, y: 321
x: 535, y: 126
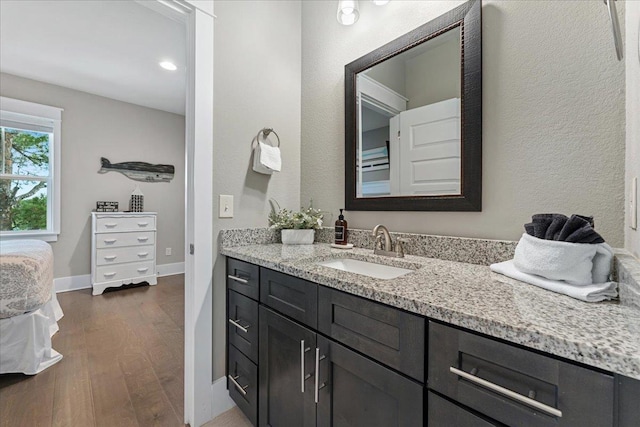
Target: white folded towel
x: 266, y: 159
x: 589, y: 293
x: 575, y: 263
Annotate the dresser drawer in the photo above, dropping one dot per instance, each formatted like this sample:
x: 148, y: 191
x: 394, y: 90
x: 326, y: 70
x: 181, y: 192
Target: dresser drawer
x: 391, y: 336
x: 290, y: 296
x: 243, y: 278
x: 516, y: 386
x: 123, y: 254
x: 107, y: 273
x: 243, y: 383
x: 132, y: 223
x: 243, y: 324
x: 442, y: 413
x: 114, y: 240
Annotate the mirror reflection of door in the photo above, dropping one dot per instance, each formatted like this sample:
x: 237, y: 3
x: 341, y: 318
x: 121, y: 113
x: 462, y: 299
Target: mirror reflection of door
x: 409, y: 127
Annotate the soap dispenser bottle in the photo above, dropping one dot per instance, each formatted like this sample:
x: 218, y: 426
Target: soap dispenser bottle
x: 341, y: 230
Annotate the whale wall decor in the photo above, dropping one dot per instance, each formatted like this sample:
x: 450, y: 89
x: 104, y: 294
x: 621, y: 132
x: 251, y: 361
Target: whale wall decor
x: 139, y: 171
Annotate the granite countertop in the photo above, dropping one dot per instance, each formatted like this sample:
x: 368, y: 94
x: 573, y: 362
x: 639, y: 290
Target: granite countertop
x: 603, y: 335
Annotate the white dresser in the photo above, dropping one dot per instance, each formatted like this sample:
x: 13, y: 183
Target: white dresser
x: 123, y: 249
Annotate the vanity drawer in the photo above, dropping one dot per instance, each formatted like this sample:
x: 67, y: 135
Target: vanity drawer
x: 115, y: 240
x: 133, y: 223
x: 290, y: 296
x: 243, y: 278
x: 243, y: 324
x: 391, y: 336
x: 107, y: 256
x: 242, y: 382
x: 108, y: 273
x: 442, y: 413
x: 516, y: 386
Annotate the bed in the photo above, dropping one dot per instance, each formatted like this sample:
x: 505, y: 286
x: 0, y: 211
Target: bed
x: 29, y: 310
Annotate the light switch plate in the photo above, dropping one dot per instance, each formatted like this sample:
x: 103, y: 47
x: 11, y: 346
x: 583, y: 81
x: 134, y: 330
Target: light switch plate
x: 633, y: 204
x: 225, y: 204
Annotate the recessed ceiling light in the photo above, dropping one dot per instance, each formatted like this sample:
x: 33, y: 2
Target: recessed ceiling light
x: 168, y: 65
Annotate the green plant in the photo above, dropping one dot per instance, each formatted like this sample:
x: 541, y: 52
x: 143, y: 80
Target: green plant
x: 305, y: 219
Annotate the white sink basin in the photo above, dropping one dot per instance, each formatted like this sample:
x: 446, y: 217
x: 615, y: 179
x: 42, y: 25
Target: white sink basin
x: 371, y: 269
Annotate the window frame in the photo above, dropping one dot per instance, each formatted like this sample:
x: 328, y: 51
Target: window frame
x: 39, y: 114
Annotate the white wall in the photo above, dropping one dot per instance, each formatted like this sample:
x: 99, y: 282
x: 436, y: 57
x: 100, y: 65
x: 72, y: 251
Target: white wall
x: 553, y: 113
x: 94, y: 127
x: 257, y: 84
x: 632, y: 61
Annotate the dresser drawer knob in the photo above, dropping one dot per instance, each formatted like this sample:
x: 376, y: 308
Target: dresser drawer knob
x: 109, y: 241
x: 143, y: 254
x: 143, y: 270
x: 549, y: 410
x: 143, y: 224
x: 143, y: 239
x: 111, y: 225
x: 109, y: 274
x: 110, y: 257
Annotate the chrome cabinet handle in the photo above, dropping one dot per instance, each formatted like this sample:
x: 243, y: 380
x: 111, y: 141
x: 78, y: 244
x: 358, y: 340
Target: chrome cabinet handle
x: 241, y: 389
x: 507, y: 393
x: 303, y: 377
x: 108, y: 241
x: 143, y: 239
x: 142, y: 270
x: 239, y: 326
x: 110, y: 257
x: 238, y: 279
x: 319, y: 386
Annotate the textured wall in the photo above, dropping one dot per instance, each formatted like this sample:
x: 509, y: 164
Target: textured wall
x: 257, y: 84
x: 553, y: 123
x: 632, y: 60
x: 94, y: 127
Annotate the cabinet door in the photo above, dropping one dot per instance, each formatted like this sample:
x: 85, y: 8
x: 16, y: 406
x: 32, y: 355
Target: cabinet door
x: 290, y: 296
x: 286, y: 357
x: 357, y: 392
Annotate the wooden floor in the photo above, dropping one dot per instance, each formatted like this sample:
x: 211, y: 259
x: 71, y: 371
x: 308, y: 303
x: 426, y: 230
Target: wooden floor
x: 232, y: 418
x: 123, y: 363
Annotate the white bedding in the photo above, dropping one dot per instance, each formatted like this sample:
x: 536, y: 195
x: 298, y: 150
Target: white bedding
x: 29, y: 309
x: 26, y: 276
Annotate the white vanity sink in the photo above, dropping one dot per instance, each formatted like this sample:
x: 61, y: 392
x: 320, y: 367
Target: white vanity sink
x: 371, y: 269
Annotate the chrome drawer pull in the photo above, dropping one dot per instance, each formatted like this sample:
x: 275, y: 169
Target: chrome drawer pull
x: 111, y: 225
x: 110, y: 257
x: 238, y: 386
x: 142, y: 270
x: 303, y: 377
x: 143, y: 254
x: 143, y: 239
x: 109, y: 241
x: 508, y: 393
x: 109, y: 274
x: 143, y: 224
x: 318, y: 385
x: 239, y: 326
x: 238, y: 279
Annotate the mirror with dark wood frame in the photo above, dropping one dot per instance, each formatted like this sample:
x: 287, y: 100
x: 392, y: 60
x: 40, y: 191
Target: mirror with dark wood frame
x: 413, y: 119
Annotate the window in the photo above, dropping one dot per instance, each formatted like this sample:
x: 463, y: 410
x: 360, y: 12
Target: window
x: 29, y: 170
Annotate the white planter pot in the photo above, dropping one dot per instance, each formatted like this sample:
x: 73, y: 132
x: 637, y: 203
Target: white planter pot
x: 298, y: 237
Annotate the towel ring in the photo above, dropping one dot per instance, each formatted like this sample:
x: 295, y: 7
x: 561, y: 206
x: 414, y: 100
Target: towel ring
x: 265, y: 133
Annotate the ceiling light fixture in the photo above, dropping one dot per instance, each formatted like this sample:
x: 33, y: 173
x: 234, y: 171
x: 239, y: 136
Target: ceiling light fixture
x: 348, y: 12
x: 168, y: 65
x: 380, y: 2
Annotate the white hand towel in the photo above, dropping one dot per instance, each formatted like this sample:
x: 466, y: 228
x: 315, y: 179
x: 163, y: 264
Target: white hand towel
x: 589, y: 293
x: 257, y: 164
x: 270, y: 157
x: 574, y: 263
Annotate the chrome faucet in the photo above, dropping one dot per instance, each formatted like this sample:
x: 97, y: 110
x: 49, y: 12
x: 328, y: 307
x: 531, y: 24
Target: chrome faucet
x: 379, y: 232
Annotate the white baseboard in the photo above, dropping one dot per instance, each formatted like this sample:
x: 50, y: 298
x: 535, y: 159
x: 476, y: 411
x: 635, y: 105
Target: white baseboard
x: 220, y: 400
x: 170, y: 269
x: 72, y: 283
x: 83, y: 281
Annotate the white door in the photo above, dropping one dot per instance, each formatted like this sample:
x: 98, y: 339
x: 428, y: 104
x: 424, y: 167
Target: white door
x: 430, y: 149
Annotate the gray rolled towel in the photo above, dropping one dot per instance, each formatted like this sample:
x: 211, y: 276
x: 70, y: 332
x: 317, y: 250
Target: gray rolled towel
x: 576, y: 229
